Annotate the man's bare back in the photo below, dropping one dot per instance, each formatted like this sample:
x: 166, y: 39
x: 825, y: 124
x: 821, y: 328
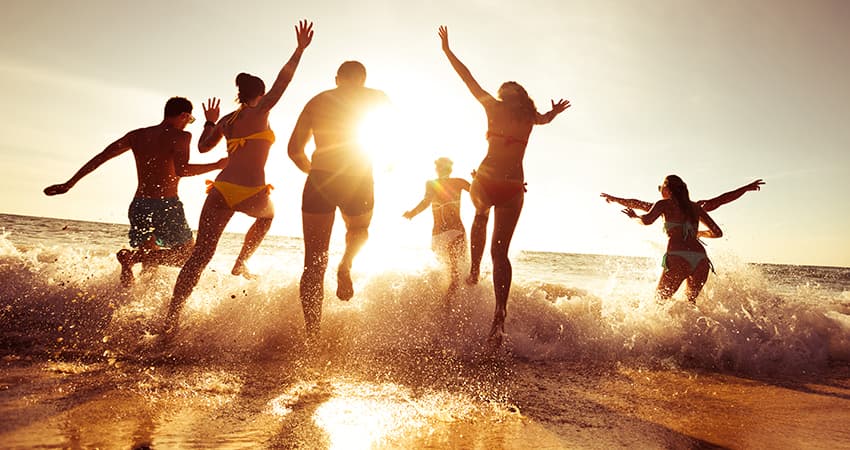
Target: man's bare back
x: 332, y: 118
x: 156, y: 150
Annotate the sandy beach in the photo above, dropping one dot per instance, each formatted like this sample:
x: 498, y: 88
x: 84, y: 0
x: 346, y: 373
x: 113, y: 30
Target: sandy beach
x: 504, y: 403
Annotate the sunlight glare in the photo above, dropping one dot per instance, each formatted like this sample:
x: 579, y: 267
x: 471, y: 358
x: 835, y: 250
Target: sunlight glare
x: 378, y: 134
x: 362, y: 415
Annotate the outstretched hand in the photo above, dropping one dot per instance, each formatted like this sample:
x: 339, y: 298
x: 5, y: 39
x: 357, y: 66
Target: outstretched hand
x: 444, y: 37
x: 755, y: 185
x: 630, y: 212
x: 559, y: 107
x: 304, y: 33
x: 407, y: 215
x: 608, y: 198
x: 57, y: 189
x: 211, y: 111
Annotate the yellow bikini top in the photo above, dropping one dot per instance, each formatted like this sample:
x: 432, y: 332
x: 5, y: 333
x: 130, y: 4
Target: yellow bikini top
x: 233, y: 144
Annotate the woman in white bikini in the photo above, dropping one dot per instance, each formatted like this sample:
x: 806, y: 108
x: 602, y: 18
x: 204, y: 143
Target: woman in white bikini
x: 685, y: 258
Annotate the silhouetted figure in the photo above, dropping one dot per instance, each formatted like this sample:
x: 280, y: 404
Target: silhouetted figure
x: 339, y: 175
x: 242, y: 185
x: 159, y: 232
x: 499, y: 182
x: 448, y: 237
x: 685, y: 258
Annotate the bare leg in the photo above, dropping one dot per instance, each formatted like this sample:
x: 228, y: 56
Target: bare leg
x: 129, y: 258
x: 174, y: 256
x: 478, y: 232
x: 214, y: 218
x: 253, y: 238
x: 455, y: 254
x: 317, y: 235
x: 504, y: 225
x: 697, y: 280
x: 676, y: 272
x: 126, y: 258
x: 260, y: 207
x: 356, y: 234
x: 477, y: 241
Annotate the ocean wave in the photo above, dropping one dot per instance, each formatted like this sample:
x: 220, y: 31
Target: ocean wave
x: 64, y: 302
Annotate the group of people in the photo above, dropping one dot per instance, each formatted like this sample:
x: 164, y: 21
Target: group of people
x: 339, y: 176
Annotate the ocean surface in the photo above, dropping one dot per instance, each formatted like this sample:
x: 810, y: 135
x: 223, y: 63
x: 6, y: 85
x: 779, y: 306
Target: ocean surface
x: 590, y: 360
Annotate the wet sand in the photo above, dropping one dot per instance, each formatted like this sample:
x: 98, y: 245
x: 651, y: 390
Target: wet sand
x: 422, y: 402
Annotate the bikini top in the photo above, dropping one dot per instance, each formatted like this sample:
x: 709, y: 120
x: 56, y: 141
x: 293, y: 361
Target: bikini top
x: 234, y: 143
x: 688, y: 229
x: 508, y: 139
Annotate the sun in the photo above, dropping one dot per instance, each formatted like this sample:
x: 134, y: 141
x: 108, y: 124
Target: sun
x: 403, y: 140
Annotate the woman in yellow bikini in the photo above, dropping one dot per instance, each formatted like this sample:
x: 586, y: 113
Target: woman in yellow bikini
x: 685, y: 258
x: 499, y: 181
x: 241, y: 186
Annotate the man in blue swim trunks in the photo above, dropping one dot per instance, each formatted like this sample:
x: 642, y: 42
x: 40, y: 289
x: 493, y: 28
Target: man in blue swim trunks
x: 339, y: 175
x: 159, y: 232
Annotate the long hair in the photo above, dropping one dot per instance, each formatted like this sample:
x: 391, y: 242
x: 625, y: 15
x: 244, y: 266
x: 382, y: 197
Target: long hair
x: 679, y: 192
x: 516, y: 97
x: 250, y: 87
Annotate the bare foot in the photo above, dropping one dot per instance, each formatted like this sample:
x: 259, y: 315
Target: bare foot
x: 344, y: 287
x: 125, y: 257
x: 472, y: 279
x: 494, y: 341
x: 497, y: 334
x: 242, y: 270
x: 169, y: 327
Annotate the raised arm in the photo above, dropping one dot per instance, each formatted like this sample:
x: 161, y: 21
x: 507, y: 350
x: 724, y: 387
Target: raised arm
x: 301, y: 134
x: 112, y: 150
x: 426, y: 201
x: 650, y: 217
x: 304, y: 35
x: 627, y: 202
x: 480, y: 94
x: 713, y: 230
x: 557, y: 108
x: 213, y: 131
x: 731, y: 196
x: 181, y: 159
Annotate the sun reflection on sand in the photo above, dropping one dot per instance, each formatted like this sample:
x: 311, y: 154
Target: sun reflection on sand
x: 360, y: 415
x: 366, y: 414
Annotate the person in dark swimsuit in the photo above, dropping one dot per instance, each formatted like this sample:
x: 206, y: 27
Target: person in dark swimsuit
x: 499, y: 181
x: 339, y: 175
x: 448, y: 237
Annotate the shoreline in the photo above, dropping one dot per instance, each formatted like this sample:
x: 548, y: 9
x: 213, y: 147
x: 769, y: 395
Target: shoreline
x: 528, y: 251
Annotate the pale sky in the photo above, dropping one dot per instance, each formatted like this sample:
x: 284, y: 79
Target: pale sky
x: 720, y: 93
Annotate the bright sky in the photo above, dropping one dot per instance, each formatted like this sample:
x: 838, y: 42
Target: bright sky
x: 720, y: 93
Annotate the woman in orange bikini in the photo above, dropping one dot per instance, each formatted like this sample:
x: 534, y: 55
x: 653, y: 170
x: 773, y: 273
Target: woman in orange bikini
x: 499, y: 181
x: 685, y: 258
x: 241, y: 186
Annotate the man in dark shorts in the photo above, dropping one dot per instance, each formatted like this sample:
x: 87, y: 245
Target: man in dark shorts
x: 339, y: 175
x: 159, y: 232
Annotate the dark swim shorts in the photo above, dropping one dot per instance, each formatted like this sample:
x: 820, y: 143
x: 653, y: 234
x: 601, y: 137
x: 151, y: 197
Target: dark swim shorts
x: 325, y: 191
x: 162, y: 218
